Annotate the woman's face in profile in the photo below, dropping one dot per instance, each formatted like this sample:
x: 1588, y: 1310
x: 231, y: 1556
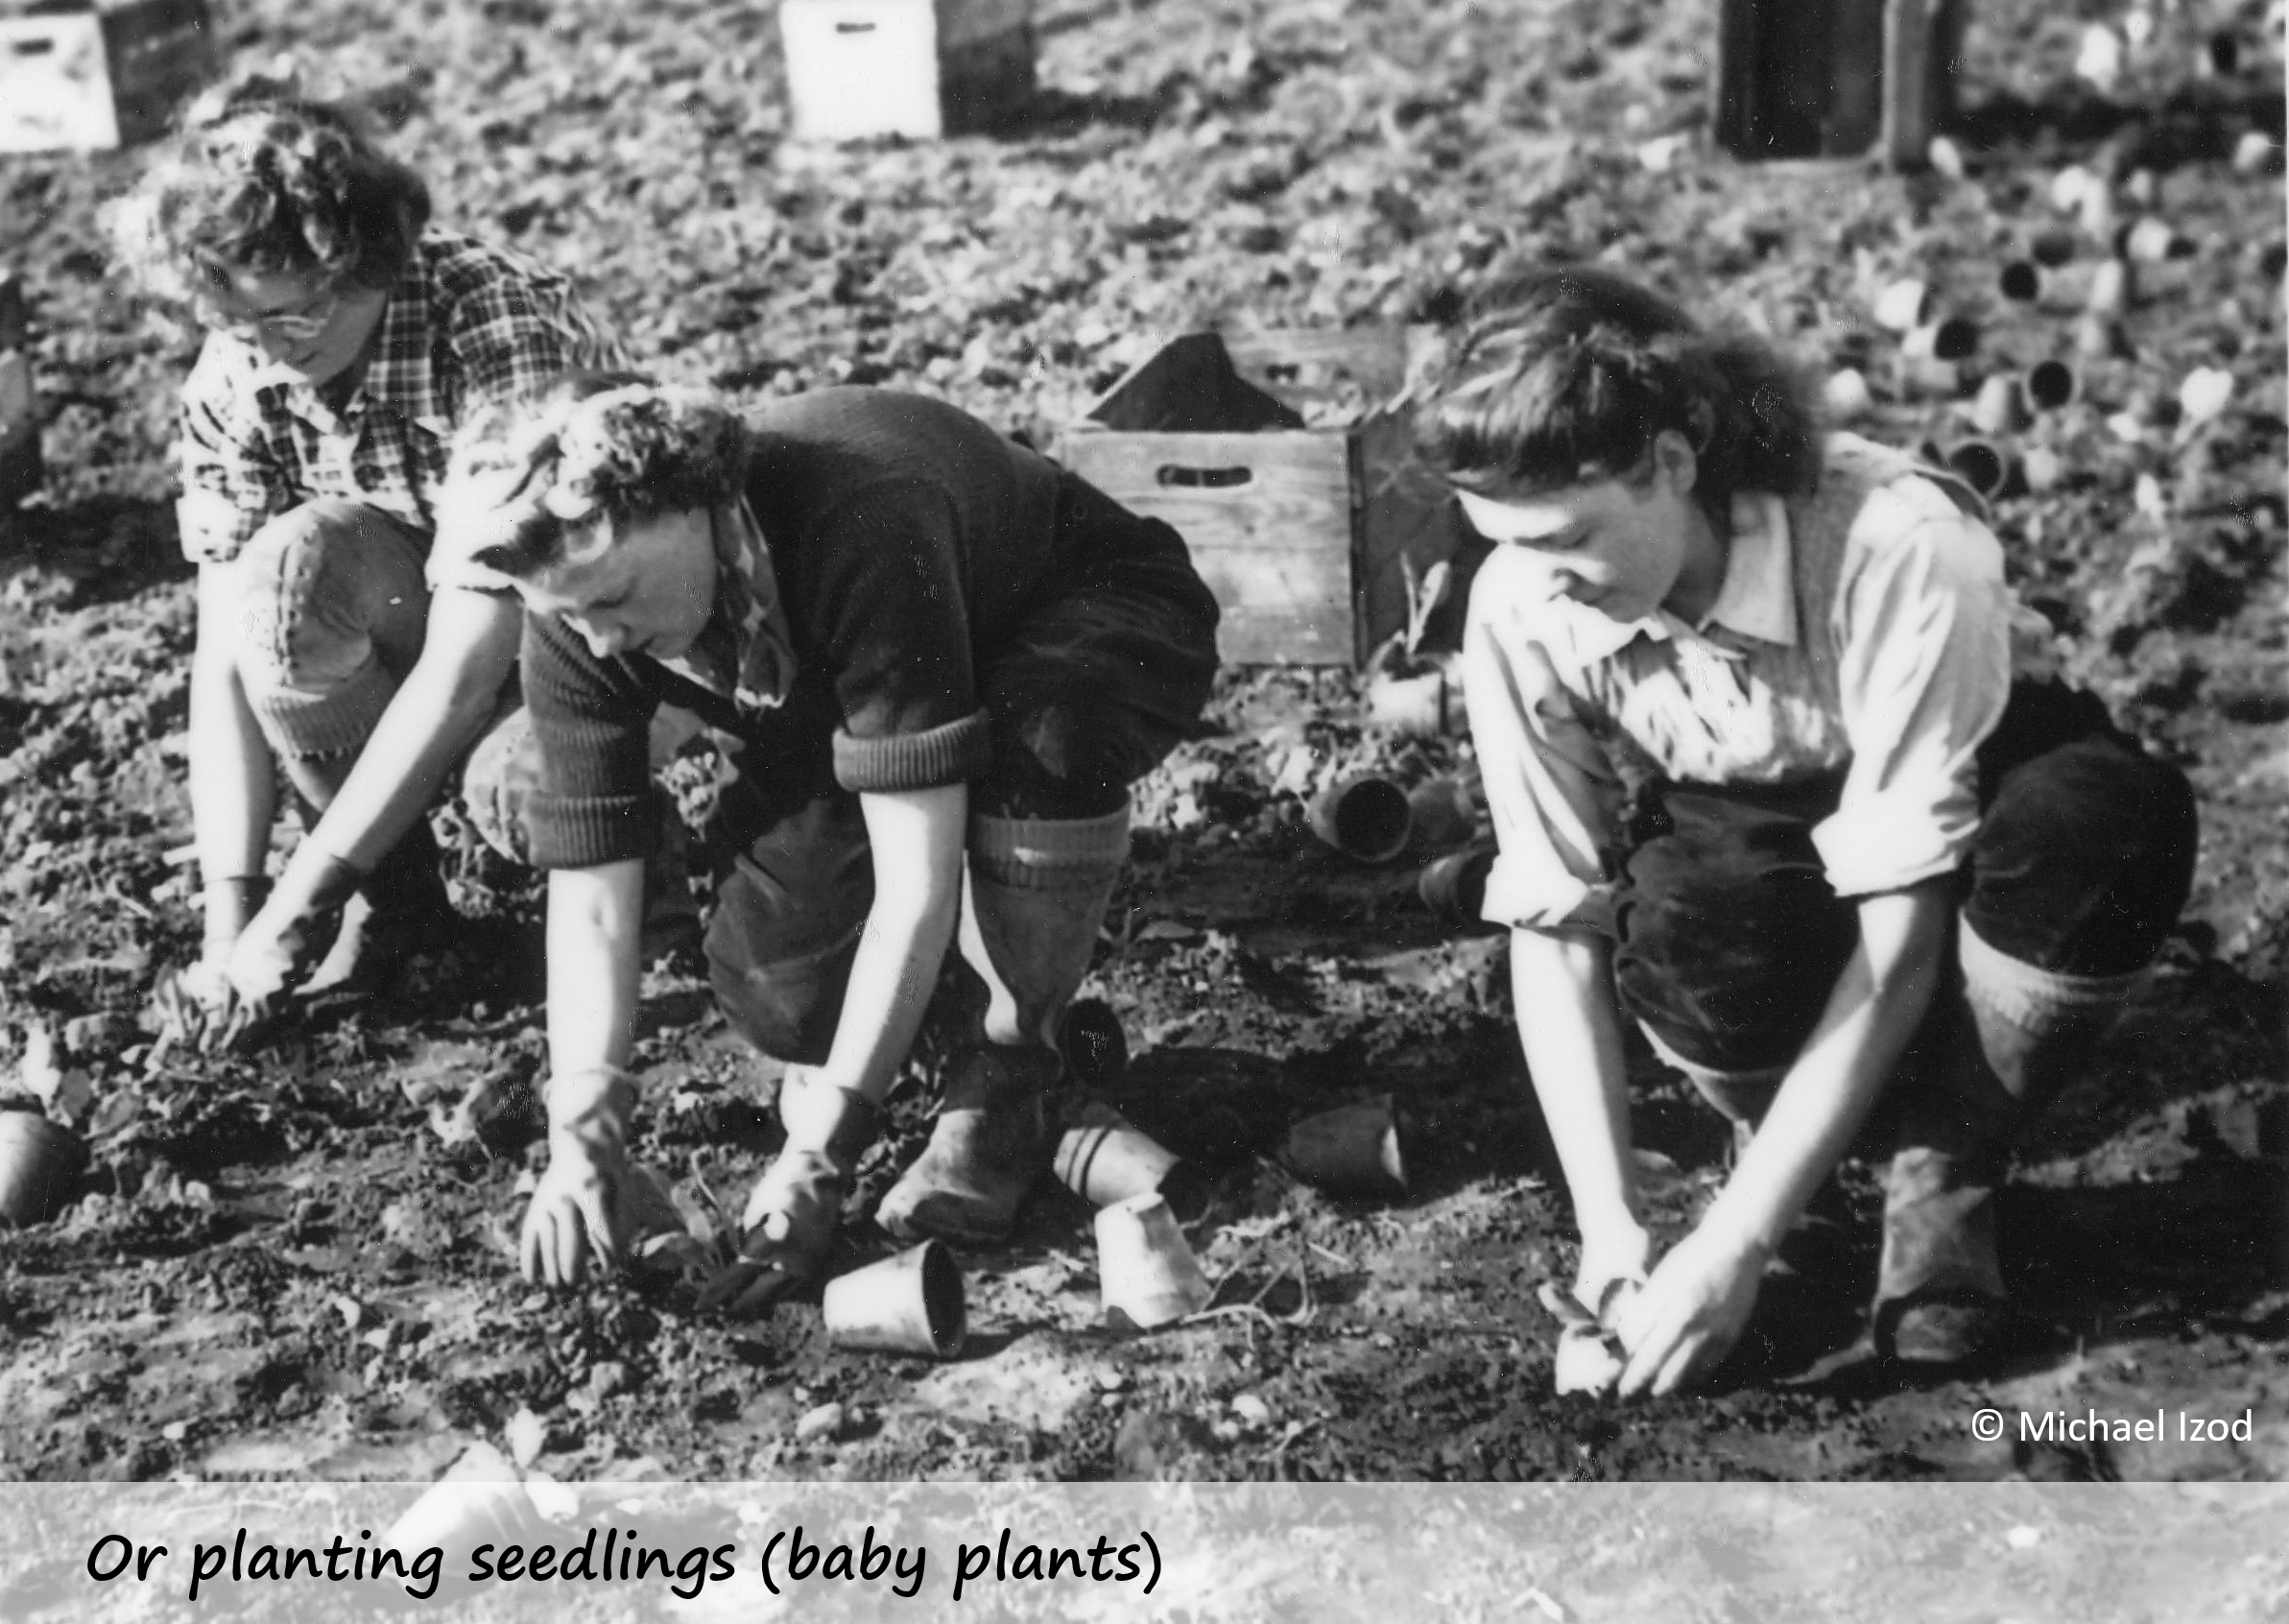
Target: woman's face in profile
x: 650, y: 591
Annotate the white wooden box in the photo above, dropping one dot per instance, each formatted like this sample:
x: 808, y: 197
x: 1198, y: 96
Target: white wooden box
x: 101, y: 77
x: 918, y: 68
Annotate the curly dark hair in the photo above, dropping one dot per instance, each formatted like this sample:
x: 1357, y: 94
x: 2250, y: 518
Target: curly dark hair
x: 528, y: 478
x: 1569, y: 375
x: 260, y: 179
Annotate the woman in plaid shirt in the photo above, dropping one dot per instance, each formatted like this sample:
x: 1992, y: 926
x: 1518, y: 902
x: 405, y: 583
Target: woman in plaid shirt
x: 348, y: 338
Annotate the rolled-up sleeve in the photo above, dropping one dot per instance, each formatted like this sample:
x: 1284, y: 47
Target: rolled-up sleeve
x: 1548, y: 781
x: 1922, y: 628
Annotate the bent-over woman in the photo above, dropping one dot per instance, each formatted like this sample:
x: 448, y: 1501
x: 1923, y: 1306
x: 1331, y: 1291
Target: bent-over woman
x: 932, y: 660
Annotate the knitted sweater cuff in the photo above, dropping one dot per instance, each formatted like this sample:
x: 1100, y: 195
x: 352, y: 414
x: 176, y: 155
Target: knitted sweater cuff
x: 946, y: 755
x: 590, y: 831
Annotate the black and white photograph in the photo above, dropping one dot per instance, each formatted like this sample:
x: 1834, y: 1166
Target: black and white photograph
x: 1474, y: 743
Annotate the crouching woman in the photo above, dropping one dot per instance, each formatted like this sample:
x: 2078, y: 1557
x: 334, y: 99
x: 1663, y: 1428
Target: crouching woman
x: 932, y: 661
x: 1775, y: 774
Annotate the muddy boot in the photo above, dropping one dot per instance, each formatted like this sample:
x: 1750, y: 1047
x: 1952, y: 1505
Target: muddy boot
x: 1033, y: 899
x: 797, y: 1206
x: 2016, y: 1037
x: 1940, y: 1297
x: 989, y: 1145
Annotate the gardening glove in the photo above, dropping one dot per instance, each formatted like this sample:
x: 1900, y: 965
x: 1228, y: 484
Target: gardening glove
x: 789, y: 1227
x: 575, y: 1213
x: 796, y: 1205
x: 289, y: 938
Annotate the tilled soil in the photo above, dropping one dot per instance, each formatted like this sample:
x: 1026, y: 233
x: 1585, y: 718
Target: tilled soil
x: 297, y: 1263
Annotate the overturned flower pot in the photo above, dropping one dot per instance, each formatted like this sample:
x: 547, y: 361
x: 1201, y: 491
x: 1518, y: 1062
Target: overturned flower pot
x: 1364, y: 817
x: 911, y: 1303
x: 1355, y: 1150
x: 40, y: 1164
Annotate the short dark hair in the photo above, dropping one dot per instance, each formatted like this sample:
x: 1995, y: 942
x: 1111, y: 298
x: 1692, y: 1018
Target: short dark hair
x: 1567, y: 374
x: 260, y: 179
x: 593, y: 444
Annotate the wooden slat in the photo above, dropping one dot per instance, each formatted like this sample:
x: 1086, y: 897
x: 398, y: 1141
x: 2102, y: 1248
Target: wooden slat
x: 1275, y: 546
x: 1247, y: 636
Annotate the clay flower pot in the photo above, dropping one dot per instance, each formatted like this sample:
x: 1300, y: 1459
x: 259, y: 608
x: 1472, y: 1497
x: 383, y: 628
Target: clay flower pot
x: 910, y: 1303
x: 1104, y: 1158
x: 1146, y: 1267
x: 1364, y: 817
x: 39, y: 1162
x: 1353, y: 1150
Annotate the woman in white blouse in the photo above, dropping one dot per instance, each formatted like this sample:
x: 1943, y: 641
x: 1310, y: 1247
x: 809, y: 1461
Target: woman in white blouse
x: 1775, y: 772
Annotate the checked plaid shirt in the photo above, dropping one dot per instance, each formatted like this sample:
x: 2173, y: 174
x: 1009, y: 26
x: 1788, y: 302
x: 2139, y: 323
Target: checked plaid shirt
x: 465, y: 322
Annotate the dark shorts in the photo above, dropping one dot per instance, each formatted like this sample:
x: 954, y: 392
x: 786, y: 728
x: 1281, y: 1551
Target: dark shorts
x: 1103, y: 678
x: 1728, y: 939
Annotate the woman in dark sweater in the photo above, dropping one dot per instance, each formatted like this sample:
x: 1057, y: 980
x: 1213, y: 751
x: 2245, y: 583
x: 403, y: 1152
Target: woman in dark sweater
x: 932, y: 662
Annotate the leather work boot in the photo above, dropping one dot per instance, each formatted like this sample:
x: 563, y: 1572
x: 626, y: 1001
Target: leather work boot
x: 989, y: 1143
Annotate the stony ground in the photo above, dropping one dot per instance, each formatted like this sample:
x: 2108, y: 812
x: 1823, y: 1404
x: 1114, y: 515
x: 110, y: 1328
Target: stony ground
x: 297, y: 1264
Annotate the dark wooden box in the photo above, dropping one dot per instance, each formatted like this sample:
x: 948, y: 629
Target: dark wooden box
x: 20, y: 403
x: 1836, y: 77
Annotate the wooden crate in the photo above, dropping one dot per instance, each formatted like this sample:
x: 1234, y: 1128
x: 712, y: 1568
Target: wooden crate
x: 99, y: 76
x: 918, y: 68
x: 1836, y: 77
x: 20, y: 404
x: 1303, y: 532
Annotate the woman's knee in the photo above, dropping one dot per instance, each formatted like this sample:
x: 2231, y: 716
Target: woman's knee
x: 323, y: 590
x: 785, y: 926
x: 2083, y: 859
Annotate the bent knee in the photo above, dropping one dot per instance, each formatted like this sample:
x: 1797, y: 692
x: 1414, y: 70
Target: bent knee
x: 2085, y: 858
x: 320, y: 591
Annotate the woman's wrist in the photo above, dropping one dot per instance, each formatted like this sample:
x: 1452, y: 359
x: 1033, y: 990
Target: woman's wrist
x: 591, y: 1105
x: 229, y: 904
x: 1744, y: 1227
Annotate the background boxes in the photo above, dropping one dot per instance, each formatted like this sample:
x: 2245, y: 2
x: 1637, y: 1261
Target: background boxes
x: 1835, y: 78
x: 1303, y: 532
x: 100, y: 76
x: 19, y: 405
x: 918, y: 68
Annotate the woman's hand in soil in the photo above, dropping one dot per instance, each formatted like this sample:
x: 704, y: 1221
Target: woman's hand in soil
x: 575, y: 1213
x: 1690, y: 1312
x: 1612, y: 1257
x: 287, y: 941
